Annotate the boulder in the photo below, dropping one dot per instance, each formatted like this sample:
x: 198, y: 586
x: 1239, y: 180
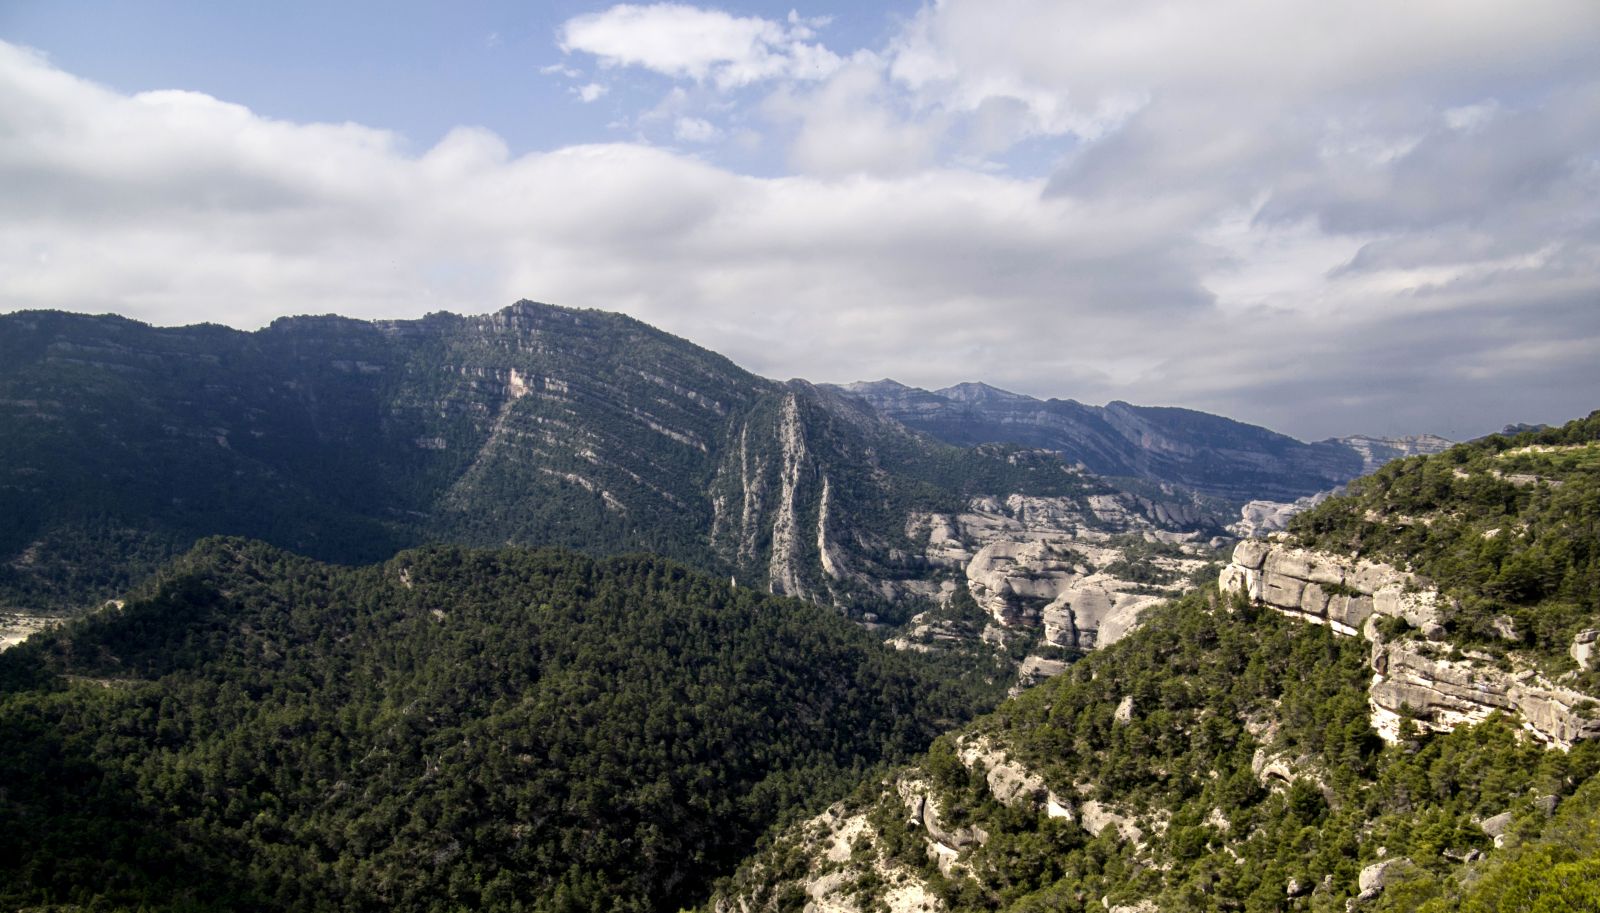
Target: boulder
x: 1583, y: 649
x: 1250, y: 553
x: 1124, y: 711
x: 1374, y: 878
x: 1496, y: 825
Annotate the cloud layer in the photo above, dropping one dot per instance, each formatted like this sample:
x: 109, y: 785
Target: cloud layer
x: 1359, y: 217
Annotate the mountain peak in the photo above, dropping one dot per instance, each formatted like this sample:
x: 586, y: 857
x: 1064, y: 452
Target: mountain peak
x: 979, y: 392
x: 885, y: 386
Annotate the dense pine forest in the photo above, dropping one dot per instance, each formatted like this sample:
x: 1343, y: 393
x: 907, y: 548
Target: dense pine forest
x: 449, y: 730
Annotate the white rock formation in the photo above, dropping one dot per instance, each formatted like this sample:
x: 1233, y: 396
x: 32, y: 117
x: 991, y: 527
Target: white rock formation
x: 1419, y: 679
x: 1582, y: 649
x: 1257, y: 518
x: 1031, y: 561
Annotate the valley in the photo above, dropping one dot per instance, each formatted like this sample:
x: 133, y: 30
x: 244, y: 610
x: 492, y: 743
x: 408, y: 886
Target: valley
x: 550, y: 610
x: 537, y: 425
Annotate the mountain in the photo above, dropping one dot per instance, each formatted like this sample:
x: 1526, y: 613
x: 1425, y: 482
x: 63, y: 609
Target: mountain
x: 1429, y: 741
x: 121, y: 444
x: 451, y: 729
x: 346, y: 440
x: 1378, y: 451
x: 1203, y: 452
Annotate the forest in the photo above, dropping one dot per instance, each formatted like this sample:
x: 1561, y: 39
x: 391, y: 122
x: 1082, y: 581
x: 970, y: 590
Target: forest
x: 452, y: 729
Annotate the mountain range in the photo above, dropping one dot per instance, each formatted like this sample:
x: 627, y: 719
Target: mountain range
x: 311, y: 666
x: 347, y: 440
x: 1206, y: 453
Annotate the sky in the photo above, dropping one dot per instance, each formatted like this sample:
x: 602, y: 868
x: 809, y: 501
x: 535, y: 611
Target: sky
x: 1325, y: 218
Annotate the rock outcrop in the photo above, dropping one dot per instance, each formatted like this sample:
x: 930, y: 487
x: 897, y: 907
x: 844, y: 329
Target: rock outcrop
x: 1034, y: 562
x: 1258, y: 518
x: 1424, y: 680
x: 1583, y: 649
x: 1374, y: 878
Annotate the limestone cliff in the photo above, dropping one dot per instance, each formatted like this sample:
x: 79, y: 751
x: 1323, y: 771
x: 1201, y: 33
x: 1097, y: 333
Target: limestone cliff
x: 1417, y: 674
x: 1078, y: 569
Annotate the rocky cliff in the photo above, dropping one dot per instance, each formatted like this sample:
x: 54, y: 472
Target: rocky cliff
x: 1078, y: 570
x: 1379, y: 742
x: 1417, y: 674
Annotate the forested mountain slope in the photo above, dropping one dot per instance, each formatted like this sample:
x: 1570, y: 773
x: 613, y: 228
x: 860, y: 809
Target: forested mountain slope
x: 121, y: 444
x: 346, y: 440
x: 449, y: 730
x: 1223, y: 756
x: 1507, y: 526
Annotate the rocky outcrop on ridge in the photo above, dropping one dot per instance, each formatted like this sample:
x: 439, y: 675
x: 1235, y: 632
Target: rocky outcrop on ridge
x: 1258, y: 518
x: 1417, y: 675
x: 1072, y: 568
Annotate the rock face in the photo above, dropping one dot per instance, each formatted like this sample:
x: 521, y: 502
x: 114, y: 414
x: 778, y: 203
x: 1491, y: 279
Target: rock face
x: 1258, y: 518
x: 1374, y: 878
x: 1423, y: 680
x: 1063, y: 564
x: 1582, y: 650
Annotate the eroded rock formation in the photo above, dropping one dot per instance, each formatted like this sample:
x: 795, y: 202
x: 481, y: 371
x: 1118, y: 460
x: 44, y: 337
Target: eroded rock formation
x: 1421, y: 678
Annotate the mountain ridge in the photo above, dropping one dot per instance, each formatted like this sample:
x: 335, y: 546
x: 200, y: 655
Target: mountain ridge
x: 347, y: 440
x: 1163, y: 443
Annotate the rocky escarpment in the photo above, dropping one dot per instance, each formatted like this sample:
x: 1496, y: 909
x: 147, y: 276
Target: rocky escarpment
x: 1080, y: 569
x: 1417, y: 674
x: 1376, y: 451
x: 849, y: 864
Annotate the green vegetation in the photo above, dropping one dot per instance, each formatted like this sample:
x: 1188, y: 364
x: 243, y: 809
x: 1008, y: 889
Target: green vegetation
x: 449, y: 730
x: 1510, y: 527
x: 123, y: 444
x: 1211, y: 685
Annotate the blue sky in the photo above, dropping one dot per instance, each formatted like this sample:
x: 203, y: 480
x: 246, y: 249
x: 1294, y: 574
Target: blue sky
x: 1324, y: 218
x: 420, y: 69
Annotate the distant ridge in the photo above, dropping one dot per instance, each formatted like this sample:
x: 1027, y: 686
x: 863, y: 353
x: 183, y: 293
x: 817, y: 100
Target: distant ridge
x: 1208, y: 453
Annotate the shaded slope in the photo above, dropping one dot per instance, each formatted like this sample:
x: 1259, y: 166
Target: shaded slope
x: 122, y: 443
x: 497, y: 730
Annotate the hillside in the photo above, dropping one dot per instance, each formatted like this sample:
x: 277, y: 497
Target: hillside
x: 1207, y: 453
x: 1430, y: 743
x: 1507, y: 526
x: 451, y: 729
x: 121, y: 444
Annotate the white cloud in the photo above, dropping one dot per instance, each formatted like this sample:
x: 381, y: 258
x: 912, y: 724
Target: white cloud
x: 1349, y: 255
x: 701, y: 44
x: 848, y: 124
x: 590, y: 91
x: 695, y: 130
